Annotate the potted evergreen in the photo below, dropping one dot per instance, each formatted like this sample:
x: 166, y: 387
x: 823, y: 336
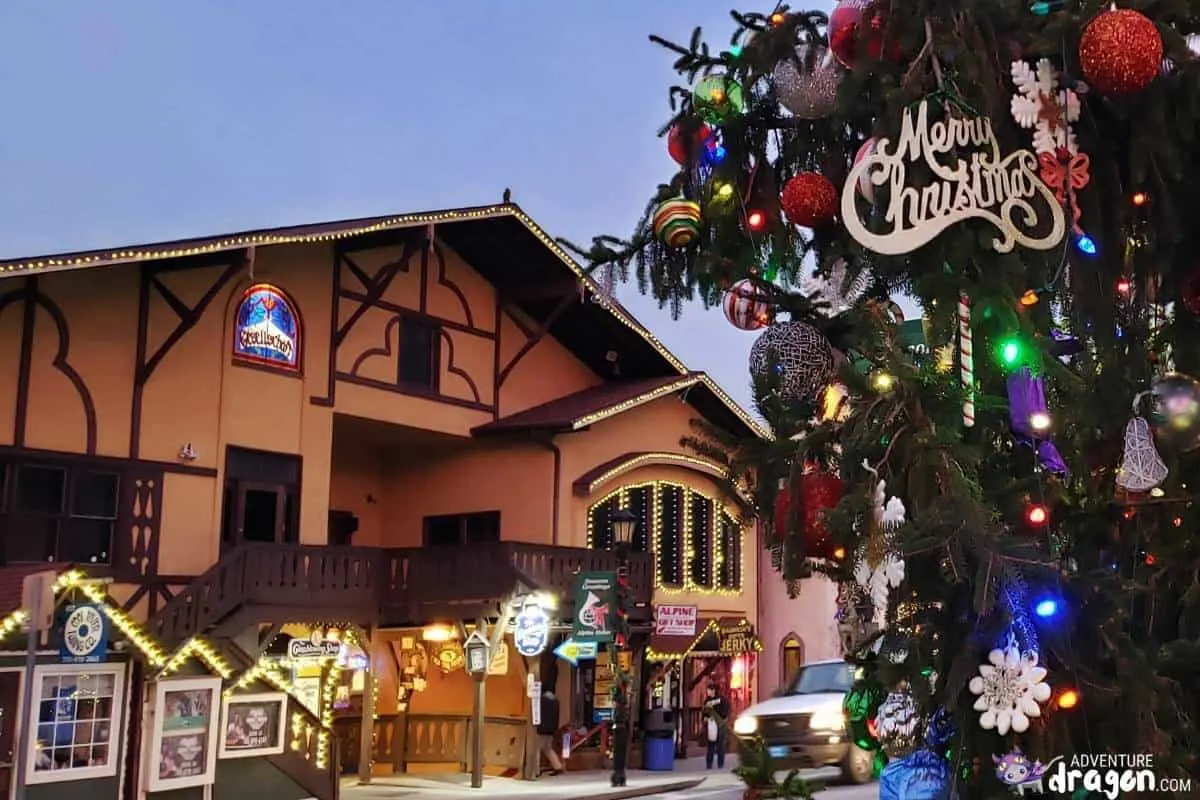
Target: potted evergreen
x: 757, y: 770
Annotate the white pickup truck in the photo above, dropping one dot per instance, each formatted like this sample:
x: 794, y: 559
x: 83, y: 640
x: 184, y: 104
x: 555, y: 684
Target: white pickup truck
x: 805, y: 727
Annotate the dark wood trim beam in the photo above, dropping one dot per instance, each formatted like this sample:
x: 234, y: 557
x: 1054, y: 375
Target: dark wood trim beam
x: 412, y: 392
x: 533, y: 341
x: 54, y: 455
x: 395, y: 308
x: 137, y: 595
x: 335, y: 295
x: 188, y: 319
x: 378, y: 286
x: 515, y: 314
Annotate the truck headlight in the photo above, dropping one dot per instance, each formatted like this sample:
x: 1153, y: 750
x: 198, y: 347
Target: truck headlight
x: 828, y: 719
x: 745, y: 725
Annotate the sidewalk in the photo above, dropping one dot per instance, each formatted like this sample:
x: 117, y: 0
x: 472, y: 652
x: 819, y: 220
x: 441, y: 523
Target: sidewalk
x: 592, y: 784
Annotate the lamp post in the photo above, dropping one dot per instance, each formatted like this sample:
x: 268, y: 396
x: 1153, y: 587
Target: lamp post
x: 623, y: 523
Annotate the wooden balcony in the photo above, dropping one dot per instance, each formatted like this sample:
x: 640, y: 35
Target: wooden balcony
x: 382, y: 586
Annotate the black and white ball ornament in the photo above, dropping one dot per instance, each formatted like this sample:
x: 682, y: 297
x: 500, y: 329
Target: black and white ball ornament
x: 745, y: 306
x: 802, y: 357
x: 807, y: 83
x: 896, y: 724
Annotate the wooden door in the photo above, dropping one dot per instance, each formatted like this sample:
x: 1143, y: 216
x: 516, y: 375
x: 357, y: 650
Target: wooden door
x: 10, y: 709
x: 260, y: 512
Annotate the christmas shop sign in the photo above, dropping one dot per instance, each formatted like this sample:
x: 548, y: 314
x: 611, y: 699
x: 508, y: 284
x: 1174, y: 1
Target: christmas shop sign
x: 982, y: 185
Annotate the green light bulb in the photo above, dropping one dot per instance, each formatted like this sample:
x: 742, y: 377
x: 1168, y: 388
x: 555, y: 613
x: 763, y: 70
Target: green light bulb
x: 1010, y: 352
x: 736, y: 51
x: 1040, y: 9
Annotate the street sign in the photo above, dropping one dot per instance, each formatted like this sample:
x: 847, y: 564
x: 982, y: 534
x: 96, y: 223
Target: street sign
x: 573, y: 651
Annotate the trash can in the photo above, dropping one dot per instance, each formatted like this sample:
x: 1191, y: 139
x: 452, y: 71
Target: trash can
x: 658, y: 750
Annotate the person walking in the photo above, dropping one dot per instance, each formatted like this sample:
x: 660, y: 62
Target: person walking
x: 716, y: 711
x: 546, y: 729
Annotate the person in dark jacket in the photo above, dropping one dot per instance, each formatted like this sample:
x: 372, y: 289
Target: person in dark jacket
x: 716, y: 725
x: 547, y: 727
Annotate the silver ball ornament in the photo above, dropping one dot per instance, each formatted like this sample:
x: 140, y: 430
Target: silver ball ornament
x: 807, y: 85
x: 1175, y: 412
x: 801, y: 355
x: 896, y: 725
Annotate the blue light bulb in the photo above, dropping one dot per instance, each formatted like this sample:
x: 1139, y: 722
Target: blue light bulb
x: 1085, y: 244
x: 1046, y: 608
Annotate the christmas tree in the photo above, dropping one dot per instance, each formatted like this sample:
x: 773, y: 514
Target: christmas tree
x: 1002, y: 487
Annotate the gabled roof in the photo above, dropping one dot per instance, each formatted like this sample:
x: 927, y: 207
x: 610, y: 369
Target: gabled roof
x: 508, y: 249
x: 585, y: 408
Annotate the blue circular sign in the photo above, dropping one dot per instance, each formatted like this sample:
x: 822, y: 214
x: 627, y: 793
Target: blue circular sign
x: 532, y: 631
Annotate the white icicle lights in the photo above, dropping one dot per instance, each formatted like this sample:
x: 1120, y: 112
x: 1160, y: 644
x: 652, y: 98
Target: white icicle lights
x: 1011, y: 689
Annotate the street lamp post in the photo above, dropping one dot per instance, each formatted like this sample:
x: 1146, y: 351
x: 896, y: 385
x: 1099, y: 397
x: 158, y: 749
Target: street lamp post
x: 623, y: 523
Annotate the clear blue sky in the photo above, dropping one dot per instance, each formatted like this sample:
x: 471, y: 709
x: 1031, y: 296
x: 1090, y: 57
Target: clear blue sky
x: 139, y: 120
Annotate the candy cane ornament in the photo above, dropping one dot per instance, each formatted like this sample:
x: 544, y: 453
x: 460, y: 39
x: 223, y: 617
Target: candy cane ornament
x: 966, y: 360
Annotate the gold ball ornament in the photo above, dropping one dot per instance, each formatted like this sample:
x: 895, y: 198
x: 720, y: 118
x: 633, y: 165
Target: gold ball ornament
x: 1120, y: 52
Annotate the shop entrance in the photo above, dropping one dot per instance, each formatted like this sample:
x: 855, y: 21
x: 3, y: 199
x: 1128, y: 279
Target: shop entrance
x: 10, y: 708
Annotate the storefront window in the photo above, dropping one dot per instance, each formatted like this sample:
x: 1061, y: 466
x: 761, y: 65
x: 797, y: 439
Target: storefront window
x: 76, y: 716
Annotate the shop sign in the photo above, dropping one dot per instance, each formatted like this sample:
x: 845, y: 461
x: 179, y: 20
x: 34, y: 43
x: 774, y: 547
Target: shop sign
x: 736, y: 639
x: 531, y: 631
x: 267, y: 328
x: 675, y: 620
x: 573, y: 652
x: 308, y: 650
x: 499, y: 665
x: 595, y: 606
x: 85, y: 635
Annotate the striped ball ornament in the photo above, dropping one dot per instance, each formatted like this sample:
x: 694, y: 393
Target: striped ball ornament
x: 677, y: 222
x: 745, y: 307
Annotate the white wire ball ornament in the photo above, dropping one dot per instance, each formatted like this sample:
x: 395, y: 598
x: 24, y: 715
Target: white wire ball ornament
x: 801, y: 355
x: 809, y: 92
x: 745, y: 306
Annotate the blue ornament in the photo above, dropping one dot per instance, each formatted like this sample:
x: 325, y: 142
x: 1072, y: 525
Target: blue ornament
x: 923, y: 775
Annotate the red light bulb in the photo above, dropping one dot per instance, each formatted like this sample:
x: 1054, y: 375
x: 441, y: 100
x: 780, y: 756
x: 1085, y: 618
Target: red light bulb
x: 1036, y: 515
x: 1140, y: 198
x: 1123, y: 286
x: 756, y: 220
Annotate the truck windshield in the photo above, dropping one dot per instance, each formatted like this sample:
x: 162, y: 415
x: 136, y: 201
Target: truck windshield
x: 823, y: 679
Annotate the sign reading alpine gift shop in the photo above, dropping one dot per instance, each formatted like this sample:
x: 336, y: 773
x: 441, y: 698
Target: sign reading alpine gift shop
x: 595, y: 606
x: 675, y: 620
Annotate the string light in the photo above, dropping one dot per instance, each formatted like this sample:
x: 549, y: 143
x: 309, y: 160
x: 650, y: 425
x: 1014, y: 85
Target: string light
x: 756, y: 220
x: 1046, y: 608
x: 1039, y: 421
x: 1067, y: 699
x: 1123, y: 286
x: 1085, y: 244
x: 1030, y: 298
x: 1139, y: 199
x: 1036, y: 514
x: 267, y: 238
x: 726, y: 550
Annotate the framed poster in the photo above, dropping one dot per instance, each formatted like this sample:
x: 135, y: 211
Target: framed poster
x: 253, y: 725
x: 183, y: 729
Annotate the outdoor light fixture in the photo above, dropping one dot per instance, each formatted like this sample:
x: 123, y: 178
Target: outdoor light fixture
x: 623, y: 523
x: 437, y: 633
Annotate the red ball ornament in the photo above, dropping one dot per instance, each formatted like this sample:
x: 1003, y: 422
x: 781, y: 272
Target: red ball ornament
x: 809, y: 200
x: 680, y: 149
x: 1121, y: 52
x: 856, y: 30
x: 817, y: 493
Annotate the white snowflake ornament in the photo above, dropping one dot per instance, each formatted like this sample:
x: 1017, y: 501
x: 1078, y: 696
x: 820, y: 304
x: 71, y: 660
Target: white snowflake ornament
x: 839, y: 290
x: 880, y: 572
x: 1045, y: 107
x: 1010, y: 689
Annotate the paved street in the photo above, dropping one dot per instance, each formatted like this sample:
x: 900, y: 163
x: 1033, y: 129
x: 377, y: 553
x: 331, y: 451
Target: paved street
x: 708, y: 792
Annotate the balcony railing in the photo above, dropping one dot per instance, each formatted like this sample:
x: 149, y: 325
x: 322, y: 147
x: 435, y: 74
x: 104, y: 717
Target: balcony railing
x: 388, y: 586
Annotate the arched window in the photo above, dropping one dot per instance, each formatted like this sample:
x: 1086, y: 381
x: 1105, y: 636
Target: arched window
x: 267, y: 329
x: 791, y: 654
x: 696, y: 543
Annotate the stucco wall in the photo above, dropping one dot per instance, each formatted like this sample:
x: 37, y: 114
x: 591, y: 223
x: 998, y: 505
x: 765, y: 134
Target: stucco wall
x: 809, y: 617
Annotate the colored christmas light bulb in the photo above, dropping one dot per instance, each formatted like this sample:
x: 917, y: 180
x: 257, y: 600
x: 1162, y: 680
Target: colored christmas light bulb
x: 1036, y: 514
x: 1067, y: 699
x: 1046, y: 608
x: 756, y: 220
x: 1085, y: 244
x: 1010, y: 352
x: 1140, y: 198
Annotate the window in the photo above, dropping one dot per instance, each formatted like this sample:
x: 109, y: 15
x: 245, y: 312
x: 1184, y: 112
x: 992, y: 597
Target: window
x: 700, y: 522
x: 420, y: 343
x: 260, y: 498
x: 729, y: 573
x: 670, y: 535
x: 63, y: 513
x: 792, y: 655
x: 697, y: 545
x: 76, y: 716
x: 451, y: 530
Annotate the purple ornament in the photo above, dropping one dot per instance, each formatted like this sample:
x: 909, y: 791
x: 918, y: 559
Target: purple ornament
x: 1027, y: 403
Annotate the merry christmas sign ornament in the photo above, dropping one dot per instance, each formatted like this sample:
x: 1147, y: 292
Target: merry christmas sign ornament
x: 971, y: 180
